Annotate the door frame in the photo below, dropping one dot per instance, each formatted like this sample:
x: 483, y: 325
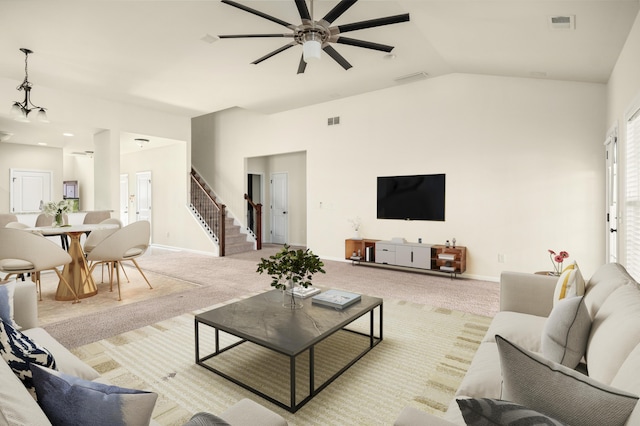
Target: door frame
x: 271, y: 210
x: 612, y: 187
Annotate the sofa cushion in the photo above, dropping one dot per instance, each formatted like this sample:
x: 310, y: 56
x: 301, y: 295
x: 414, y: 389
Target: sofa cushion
x: 560, y: 392
x: 489, y: 412
x: 7, y: 290
x: 66, y: 362
x: 604, y: 281
x: 69, y: 400
x: 522, y: 329
x: 615, y: 332
x: 566, y: 331
x: 19, y: 351
x: 570, y: 283
x: 17, y: 406
x: 628, y: 380
x: 482, y: 379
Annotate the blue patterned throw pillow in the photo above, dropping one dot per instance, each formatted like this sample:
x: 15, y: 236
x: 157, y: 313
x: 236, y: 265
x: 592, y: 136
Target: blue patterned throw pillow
x: 70, y: 401
x: 19, y: 351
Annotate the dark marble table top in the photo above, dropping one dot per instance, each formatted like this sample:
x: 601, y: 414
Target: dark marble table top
x: 263, y: 320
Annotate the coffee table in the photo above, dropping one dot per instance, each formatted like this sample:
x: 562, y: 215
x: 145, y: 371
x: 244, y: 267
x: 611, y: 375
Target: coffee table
x: 262, y: 320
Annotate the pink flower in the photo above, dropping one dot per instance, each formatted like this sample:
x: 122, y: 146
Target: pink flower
x: 564, y: 254
x: 559, y: 258
x: 552, y: 252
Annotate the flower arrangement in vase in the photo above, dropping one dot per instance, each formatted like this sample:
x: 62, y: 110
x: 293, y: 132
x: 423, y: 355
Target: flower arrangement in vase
x: 57, y: 210
x: 289, y: 268
x: 355, y: 224
x: 557, y: 260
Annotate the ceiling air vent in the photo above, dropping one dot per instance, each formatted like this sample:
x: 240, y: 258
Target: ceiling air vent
x: 562, y: 22
x: 412, y: 77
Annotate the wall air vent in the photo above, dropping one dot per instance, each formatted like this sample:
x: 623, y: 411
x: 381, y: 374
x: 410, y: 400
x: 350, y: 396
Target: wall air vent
x: 562, y: 22
x: 410, y: 78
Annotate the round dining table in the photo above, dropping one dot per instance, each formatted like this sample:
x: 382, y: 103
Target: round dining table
x: 77, y: 272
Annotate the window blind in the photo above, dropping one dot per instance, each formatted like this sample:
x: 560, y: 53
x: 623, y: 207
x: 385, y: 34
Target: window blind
x: 632, y: 203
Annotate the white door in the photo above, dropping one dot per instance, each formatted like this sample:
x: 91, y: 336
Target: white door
x: 279, y: 206
x: 143, y: 196
x: 29, y: 189
x: 124, y: 199
x: 611, y: 218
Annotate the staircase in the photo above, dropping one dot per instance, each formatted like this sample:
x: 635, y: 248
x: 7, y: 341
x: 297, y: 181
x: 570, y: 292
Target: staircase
x: 234, y: 240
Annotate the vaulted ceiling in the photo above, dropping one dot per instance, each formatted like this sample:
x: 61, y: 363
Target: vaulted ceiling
x: 160, y: 54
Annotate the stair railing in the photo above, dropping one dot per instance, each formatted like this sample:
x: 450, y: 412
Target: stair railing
x: 255, y: 217
x: 211, y: 212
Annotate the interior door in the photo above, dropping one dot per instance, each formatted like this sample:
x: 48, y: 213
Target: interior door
x: 124, y: 199
x: 279, y: 208
x: 611, y: 218
x: 29, y: 189
x: 143, y: 196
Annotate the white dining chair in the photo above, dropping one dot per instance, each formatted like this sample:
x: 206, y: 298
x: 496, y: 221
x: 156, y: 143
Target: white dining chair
x: 23, y: 252
x: 126, y: 244
x: 95, y: 237
x: 6, y: 218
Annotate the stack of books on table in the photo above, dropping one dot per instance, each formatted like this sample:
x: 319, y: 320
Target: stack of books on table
x: 335, y: 298
x: 302, y: 292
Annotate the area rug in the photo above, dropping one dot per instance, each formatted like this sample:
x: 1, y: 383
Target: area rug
x: 421, y: 361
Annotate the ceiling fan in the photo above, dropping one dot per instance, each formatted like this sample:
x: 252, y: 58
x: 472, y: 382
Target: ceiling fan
x: 316, y: 35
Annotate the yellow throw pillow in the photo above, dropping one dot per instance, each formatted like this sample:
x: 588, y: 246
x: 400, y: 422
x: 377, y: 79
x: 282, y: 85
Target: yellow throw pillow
x: 570, y: 283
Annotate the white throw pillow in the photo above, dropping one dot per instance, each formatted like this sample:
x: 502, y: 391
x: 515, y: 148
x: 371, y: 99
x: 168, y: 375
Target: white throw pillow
x: 566, y: 332
x: 570, y: 283
x: 560, y: 392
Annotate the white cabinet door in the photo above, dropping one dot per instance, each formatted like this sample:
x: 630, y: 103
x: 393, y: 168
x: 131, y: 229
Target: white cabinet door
x: 422, y: 257
x: 404, y: 255
x: 386, y: 253
x: 413, y: 256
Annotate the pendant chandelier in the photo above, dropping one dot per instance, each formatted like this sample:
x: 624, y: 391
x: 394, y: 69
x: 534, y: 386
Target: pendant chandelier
x: 20, y: 110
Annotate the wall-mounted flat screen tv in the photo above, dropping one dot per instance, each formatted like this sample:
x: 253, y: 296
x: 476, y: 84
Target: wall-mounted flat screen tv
x: 418, y: 197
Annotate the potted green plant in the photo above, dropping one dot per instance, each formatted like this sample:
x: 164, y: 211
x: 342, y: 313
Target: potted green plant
x: 289, y: 268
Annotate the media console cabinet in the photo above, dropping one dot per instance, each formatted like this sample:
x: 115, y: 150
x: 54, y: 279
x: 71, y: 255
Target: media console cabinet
x: 424, y: 257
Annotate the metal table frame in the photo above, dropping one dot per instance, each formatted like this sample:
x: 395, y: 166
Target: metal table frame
x: 313, y: 390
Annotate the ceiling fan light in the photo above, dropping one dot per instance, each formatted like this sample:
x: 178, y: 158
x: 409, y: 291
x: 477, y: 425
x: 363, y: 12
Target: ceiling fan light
x: 311, y: 49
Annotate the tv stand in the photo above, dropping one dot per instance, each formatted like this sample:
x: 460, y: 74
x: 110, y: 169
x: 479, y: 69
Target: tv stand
x: 407, y: 255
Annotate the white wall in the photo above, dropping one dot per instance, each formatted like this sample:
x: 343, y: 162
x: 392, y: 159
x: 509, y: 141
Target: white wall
x: 523, y: 159
x: 172, y: 223
x: 623, y: 91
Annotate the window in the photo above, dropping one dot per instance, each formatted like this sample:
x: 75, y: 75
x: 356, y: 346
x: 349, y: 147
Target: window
x: 632, y: 199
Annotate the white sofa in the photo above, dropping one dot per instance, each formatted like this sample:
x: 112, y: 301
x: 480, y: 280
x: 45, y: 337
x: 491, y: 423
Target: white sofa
x: 612, y: 355
x: 18, y: 407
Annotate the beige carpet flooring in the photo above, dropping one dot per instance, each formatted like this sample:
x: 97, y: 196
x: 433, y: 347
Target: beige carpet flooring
x: 420, y: 362
x: 184, y: 282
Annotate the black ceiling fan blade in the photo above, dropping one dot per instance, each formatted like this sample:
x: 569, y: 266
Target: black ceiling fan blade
x: 338, y: 10
x: 365, y: 44
x: 254, y: 35
x: 275, y: 52
x: 396, y: 19
x: 303, y: 9
x: 336, y: 56
x: 302, y: 65
x: 258, y: 13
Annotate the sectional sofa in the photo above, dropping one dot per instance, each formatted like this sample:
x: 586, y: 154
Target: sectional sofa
x: 578, y: 365
x: 18, y: 406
